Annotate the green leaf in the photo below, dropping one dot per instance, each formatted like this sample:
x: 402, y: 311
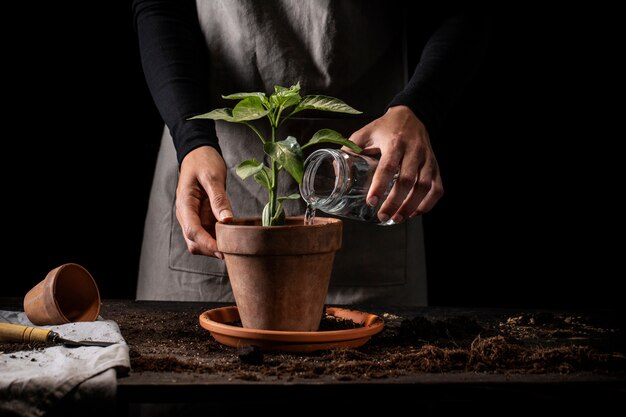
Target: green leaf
x: 288, y: 154
x: 332, y: 136
x: 285, y: 100
x: 217, y: 114
x: 286, y: 97
x: 263, y: 177
x: 262, y: 174
x: 295, y: 88
x: 325, y: 103
x: 277, y: 220
x: 248, y: 167
x: 250, y: 108
x: 294, y: 196
x: 266, y: 217
x: 239, y: 96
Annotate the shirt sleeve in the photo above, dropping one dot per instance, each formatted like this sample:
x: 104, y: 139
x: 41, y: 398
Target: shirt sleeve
x: 449, y: 59
x: 175, y: 64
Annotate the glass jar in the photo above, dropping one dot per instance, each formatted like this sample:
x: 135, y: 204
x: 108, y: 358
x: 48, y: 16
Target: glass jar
x: 337, y: 181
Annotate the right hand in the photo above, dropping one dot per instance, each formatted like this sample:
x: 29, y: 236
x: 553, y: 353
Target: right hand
x: 201, y: 199
x: 404, y: 145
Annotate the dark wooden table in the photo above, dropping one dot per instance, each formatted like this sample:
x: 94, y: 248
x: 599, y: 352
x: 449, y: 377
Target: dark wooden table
x: 429, y: 392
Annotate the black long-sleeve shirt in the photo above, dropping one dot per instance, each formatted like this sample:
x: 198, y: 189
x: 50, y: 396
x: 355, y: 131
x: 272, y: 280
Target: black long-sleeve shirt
x: 175, y: 62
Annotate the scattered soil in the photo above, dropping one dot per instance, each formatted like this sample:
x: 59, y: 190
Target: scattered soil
x: 173, y: 341
x: 21, y: 347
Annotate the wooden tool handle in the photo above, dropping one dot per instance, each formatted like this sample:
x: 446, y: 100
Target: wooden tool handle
x: 25, y: 334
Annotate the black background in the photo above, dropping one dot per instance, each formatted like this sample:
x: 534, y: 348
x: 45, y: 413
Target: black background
x: 531, y: 215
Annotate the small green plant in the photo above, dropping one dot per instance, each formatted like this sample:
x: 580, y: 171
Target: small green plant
x: 283, y: 154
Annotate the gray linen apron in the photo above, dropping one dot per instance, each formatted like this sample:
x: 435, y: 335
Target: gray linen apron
x: 353, y: 50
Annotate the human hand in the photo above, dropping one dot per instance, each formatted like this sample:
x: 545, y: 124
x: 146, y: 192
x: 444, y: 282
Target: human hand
x: 201, y: 199
x: 405, y: 149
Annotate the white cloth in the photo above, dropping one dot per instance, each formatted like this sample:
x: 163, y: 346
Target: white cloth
x: 33, y: 382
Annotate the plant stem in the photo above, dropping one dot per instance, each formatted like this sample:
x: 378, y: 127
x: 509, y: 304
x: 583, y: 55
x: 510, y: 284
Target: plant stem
x: 274, y: 188
x: 280, y: 110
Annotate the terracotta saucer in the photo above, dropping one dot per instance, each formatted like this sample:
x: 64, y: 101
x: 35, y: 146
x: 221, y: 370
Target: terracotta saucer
x: 216, y: 321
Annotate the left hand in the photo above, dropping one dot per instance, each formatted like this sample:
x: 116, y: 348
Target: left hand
x: 405, y: 148
x: 201, y: 199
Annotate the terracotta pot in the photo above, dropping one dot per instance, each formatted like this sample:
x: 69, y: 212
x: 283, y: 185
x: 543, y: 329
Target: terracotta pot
x: 67, y: 294
x: 280, y: 274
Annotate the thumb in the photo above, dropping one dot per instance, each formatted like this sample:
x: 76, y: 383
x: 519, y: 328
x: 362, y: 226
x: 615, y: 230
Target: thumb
x: 363, y: 139
x: 214, y: 183
x: 360, y: 137
x: 220, y: 205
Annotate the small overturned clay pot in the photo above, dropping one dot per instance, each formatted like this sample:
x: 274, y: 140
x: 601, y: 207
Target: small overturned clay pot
x: 67, y: 294
x: 280, y: 274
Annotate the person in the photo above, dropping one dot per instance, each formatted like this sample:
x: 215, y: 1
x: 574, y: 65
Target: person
x: 193, y: 52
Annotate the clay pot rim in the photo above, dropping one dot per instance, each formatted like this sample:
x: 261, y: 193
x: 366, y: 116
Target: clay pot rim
x: 46, y: 302
x: 85, y: 272
x: 246, y: 236
x: 209, y: 320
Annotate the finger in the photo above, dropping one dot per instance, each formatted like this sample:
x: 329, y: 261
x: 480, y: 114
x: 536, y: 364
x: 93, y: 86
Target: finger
x: 434, y: 195
x: 427, y: 191
x: 198, y: 239
x: 409, y: 207
x: 401, y: 191
x: 207, y: 217
x: 387, y: 168
x: 220, y: 205
x: 361, y: 137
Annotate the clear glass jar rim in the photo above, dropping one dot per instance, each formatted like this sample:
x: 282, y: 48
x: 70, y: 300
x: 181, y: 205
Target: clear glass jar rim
x: 312, y: 164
